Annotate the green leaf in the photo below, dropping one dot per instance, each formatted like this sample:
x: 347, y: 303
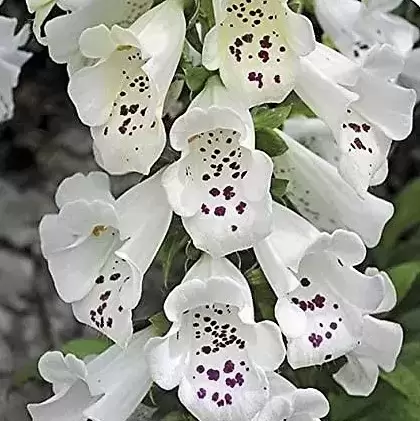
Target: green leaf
x: 278, y: 188
x: 406, y: 215
x: 81, y: 348
x: 270, y: 118
x: 406, y: 377
x: 174, y: 242
x: 403, y: 277
x: 160, y: 323
x: 270, y: 142
x: 196, y: 78
x: 255, y: 277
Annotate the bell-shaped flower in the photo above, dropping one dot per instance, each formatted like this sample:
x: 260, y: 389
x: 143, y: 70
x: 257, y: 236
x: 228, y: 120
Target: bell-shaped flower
x: 62, y: 33
x: 214, y: 350
x: 355, y: 27
x: 121, y: 97
x: 256, y: 47
x: 99, y: 248
x: 379, y: 348
x: 11, y: 61
x: 289, y: 403
x: 42, y: 9
x: 321, y: 314
x: 107, y: 388
x: 220, y: 185
x: 364, y: 109
x: 317, y: 190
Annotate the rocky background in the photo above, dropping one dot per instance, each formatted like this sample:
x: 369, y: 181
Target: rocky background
x: 43, y: 144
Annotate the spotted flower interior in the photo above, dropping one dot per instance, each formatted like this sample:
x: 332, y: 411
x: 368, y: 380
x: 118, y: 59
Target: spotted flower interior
x: 220, y: 374
x: 256, y: 49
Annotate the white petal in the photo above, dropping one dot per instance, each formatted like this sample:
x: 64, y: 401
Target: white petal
x: 394, y: 120
x: 94, y: 186
x: 210, y: 187
x: 252, y: 44
x: 291, y: 319
x: 299, y: 33
x: 161, y: 34
x: 269, y: 351
x: 195, y: 293
x: 358, y: 377
x: 61, y: 371
x: 124, y: 381
x: 410, y: 76
x: 208, y: 115
x: 333, y: 327
x: 76, y: 255
x: 41, y: 13
x: 65, y: 406
x: 63, y: 32
x: 107, y: 307
x: 120, y: 155
x: 390, y: 298
x: 342, y: 250
x: 323, y: 197
x: 284, y: 247
x: 207, y: 267
x: 97, y: 42
x: 166, y: 358
x: 144, y: 217
x: 216, y: 94
x: 222, y: 379
x: 276, y: 408
x: 311, y: 402
x: 381, y: 341
x: 211, y: 49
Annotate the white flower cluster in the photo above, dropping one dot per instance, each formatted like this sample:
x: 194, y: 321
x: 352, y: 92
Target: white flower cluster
x: 122, y: 56
x: 11, y: 61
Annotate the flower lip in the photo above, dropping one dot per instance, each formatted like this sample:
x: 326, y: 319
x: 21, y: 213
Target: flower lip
x: 198, y: 120
x: 195, y: 293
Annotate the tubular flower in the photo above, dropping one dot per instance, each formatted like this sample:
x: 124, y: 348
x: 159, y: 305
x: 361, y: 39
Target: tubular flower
x: 289, y: 403
x: 214, y: 350
x: 364, y: 111
x: 318, y: 191
x: 321, y: 313
x: 220, y: 186
x: 104, y: 247
x: 11, y: 61
x: 379, y: 348
x: 355, y: 27
x: 256, y: 46
x: 62, y: 33
x: 108, y: 388
x: 121, y: 97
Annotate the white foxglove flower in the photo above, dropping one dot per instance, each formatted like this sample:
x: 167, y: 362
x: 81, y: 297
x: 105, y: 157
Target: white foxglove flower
x: 318, y: 191
x: 364, y: 109
x: 121, y: 97
x: 322, y: 314
x: 220, y: 186
x: 108, y: 388
x: 256, y: 47
x: 11, y: 61
x: 379, y: 348
x: 355, y: 27
x: 214, y: 350
x: 99, y: 248
x: 42, y: 9
x: 289, y: 403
